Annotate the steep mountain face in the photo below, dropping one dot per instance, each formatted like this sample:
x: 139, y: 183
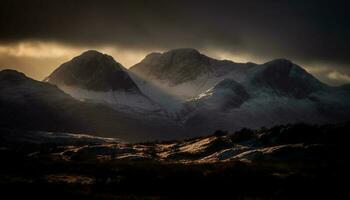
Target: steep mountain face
x: 182, y: 74
x: 184, y: 65
x: 284, y: 78
x: 225, y: 95
x: 95, y: 71
x: 98, y: 77
x: 233, y: 96
x: 176, y: 66
x: 15, y: 88
x: 277, y: 92
x: 33, y: 105
x: 188, y: 94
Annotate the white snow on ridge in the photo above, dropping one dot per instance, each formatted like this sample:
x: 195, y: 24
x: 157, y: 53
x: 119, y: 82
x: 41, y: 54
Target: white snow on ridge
x: 171, y: 97
x: 116, y: 99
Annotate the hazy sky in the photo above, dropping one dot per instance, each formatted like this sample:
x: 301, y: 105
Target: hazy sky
x: 37, y: 36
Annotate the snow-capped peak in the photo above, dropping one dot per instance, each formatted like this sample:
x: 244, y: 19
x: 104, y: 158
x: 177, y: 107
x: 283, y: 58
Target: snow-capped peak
x: 284, y: 78
x: 98, y: 77
x: 93, y: 70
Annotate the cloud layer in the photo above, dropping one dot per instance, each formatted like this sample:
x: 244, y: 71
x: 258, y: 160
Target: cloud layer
x: 315, y: 34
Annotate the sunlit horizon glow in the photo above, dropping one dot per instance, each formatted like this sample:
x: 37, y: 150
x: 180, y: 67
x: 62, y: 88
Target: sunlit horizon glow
x: 37, y: 59
x: 38, y: 49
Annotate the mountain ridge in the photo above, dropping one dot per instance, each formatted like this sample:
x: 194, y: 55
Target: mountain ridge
x: 98, y: 77
x: 92, y: 70
x: 285, y: 78
x: 224, y: 95
x: 40, y: 106
x: 173, y: 64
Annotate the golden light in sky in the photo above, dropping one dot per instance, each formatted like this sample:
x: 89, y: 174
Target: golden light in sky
x: 38, y: 59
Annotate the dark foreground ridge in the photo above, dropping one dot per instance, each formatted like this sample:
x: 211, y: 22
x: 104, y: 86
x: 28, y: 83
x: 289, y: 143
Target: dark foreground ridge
x: 285, y: 162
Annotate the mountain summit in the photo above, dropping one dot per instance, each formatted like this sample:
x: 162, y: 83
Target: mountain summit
x: 97, y: 77
x: 185, y: 73
x: 199, y: 94
x: 177, y: 66
x: 93, y: 70
x: 28, y: 104
x: 284, y: 78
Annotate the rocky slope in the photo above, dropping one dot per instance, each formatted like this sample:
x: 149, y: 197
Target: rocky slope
x: 183, y: 93
x: 231, y: 96
x: 182, y: 74
x: 302, y: 142
x: 98, y: 77
x: 285, y: 162
x: 33, y: 105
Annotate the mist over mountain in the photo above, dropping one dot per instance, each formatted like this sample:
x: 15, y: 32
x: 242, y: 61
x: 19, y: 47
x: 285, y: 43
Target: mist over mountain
x: 176, y: 66
x: 176, y: 99
x: 181, y: 92
x: 185, y: 73
x: 98, y: 77
x: 33, y: 105
x: 226, y: 94
x: 93, y: 126
x: 237, y: 95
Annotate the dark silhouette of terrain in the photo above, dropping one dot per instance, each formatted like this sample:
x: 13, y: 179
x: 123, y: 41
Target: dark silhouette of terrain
x: 316, y: 171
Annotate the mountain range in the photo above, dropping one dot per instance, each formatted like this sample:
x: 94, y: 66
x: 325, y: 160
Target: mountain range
x: 176, y: 94
x: 27, y: 104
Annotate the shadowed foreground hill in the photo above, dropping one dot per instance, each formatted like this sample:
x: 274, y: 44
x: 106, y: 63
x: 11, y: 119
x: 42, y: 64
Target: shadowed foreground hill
x: 285, y: 162
x: 33, y: 105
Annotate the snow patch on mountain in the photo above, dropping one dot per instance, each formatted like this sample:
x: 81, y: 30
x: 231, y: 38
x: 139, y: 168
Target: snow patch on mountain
x: 120, y: 99
x: 185, y: 73
x: 97, y: 77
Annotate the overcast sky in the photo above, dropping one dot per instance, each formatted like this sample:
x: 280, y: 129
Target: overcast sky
x: 37, y: 36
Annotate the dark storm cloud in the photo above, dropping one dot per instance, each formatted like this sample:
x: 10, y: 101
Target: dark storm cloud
x: 307, y: 31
